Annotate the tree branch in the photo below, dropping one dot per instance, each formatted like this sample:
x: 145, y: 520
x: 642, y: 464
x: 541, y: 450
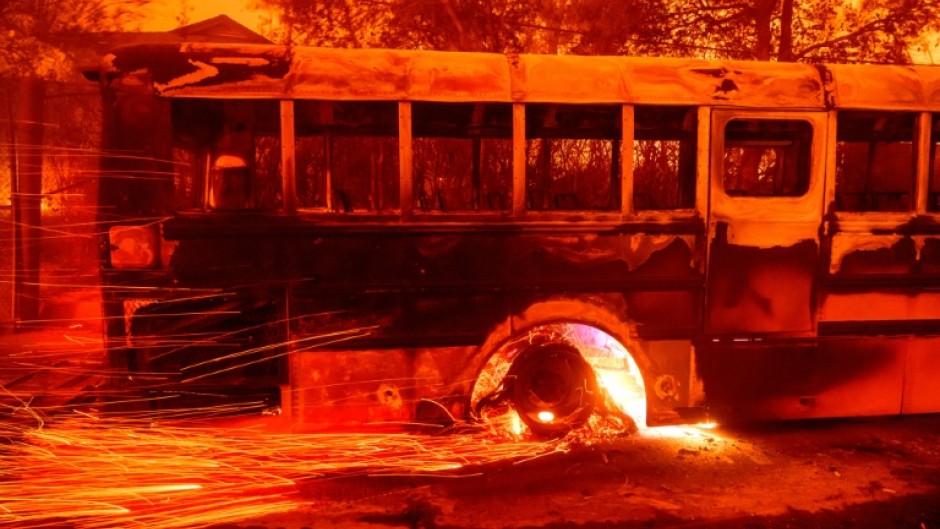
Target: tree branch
x: 867, y: 28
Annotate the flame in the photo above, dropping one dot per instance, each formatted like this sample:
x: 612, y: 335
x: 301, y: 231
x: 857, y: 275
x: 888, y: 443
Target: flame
x: 626, y: 390
x: 617, y: 373
x: 689, y: 431
x: 515, y: 424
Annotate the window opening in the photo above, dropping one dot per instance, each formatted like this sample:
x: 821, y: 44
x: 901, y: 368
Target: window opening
x: 462, y: 155
x: 875, y: 166
x: 572, y: 157
x: 664, y: 149
x: 347, y: 155
x: 230, y: 149
x: 933, y: 194
x: 767, y: 158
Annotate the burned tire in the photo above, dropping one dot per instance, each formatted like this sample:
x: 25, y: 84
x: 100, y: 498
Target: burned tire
x: 553, y: 388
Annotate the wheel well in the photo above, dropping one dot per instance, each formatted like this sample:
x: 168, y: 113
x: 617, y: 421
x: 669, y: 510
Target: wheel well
x: 619, y: 365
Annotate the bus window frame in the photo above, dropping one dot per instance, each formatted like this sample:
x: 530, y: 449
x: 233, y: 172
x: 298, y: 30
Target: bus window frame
x: 331, y: 208
x: 616, y: 184
x: 796, y: 208
x: 865, y: 221
x: 517, y: 210
x: 916, y: 146
x: 436, y: 211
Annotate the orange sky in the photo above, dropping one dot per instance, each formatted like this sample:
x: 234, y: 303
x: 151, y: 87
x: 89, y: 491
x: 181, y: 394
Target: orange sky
x: 162, y: 13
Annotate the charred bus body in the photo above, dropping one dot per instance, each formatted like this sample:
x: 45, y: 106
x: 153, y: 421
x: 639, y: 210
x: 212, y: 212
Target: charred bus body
x: 353, y: 231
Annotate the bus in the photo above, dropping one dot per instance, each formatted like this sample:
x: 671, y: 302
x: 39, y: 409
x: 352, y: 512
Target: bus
x: 383, y: 236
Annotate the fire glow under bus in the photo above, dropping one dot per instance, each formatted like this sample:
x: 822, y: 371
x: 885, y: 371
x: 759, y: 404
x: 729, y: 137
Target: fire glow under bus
x: 352, y: 233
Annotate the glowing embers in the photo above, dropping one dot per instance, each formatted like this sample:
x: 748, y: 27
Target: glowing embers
x: 560, y: 377
x: 92, y: 472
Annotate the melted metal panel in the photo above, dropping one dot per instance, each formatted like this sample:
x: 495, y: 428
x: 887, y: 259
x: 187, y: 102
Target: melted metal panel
x: 599, y: 259
x: 882, y: 269
x: 230, y: 70
x: 861, y: 252
x: 255, y: 70
x: 759, y: 290
x: 250, y: 70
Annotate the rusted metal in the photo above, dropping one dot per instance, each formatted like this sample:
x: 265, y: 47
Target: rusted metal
x: 775, y: 305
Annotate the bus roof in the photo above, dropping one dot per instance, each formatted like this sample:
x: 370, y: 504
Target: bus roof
x: 278, y: 72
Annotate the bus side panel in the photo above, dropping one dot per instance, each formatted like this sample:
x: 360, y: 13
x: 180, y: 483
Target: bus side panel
x: 343, y: 388
x: 385, y: 320
x: 883, y: 282
x: 883, y: 311
x: 759, y: 290
x: 922, y: 378
x: 836, y: 377
x: 672, y: 392
x: 404, y: 289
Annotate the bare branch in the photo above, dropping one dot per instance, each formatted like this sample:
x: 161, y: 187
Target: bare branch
x: 875, y: 25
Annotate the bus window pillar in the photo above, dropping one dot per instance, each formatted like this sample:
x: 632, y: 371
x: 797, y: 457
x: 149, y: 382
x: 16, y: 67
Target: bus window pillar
x: 703, y: 166
x: 518, y: 159
x: 922, y: 163
x: 288, y: 180
x: 406, y: 168
x: 626, y: 160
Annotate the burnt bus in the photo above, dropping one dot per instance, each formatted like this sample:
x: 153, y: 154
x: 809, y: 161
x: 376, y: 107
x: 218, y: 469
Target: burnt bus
x: 352, y: 234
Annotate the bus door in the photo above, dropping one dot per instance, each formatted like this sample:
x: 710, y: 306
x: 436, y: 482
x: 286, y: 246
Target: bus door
x: 765, y: 210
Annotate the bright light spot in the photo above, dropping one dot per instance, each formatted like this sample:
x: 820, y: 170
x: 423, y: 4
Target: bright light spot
x: 616, y: 370
x: 515, y: 423
x: 678, y: 432
x: 546, y: 416
x: 163, y: 488
x: 706, y: 425
x: 626, y: 390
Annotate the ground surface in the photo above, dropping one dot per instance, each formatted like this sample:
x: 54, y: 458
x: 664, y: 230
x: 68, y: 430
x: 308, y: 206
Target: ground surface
x: 861, y: 473
x: 875, y: 473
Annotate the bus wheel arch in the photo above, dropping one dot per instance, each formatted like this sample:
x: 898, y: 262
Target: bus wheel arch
x: 550, y: 330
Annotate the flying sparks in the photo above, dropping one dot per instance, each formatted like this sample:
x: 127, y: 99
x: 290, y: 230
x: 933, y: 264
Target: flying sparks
x: 110, y: 472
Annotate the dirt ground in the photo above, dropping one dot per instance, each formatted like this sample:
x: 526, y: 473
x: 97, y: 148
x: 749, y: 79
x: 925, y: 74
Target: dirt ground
x: 870, y: 473
x: 860, y: 473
